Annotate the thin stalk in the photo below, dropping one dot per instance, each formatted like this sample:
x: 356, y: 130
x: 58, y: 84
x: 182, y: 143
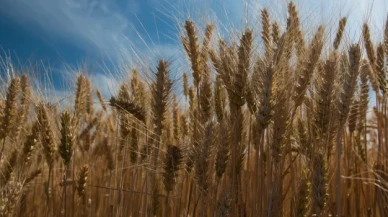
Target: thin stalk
x: 146, y: 179
x: 166, y: 205
x: 248, y: 160
x: 121, y: 183
x: 339, y: 185
x: 73, y: 202
x: 2, y: 149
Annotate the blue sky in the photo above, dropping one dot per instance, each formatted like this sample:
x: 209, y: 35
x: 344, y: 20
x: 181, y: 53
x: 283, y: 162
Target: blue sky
x: 65, y: 34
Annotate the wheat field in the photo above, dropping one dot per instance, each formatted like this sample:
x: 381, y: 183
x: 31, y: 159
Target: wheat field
x: 277, y: 122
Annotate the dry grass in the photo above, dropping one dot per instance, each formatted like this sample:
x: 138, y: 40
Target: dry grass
x: 282, y: 131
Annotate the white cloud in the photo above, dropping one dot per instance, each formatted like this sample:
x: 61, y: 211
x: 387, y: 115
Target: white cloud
x: 313, y: 13
x: 106, y: 83
x: 106, y: 25
x: 85, y: 23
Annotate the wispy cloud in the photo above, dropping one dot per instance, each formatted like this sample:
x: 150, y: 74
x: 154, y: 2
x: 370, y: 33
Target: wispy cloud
x: 119, y: 31
x: 88, y: 24
x: 105, y: 26
x: 313, y: 13
x: 118, y: 27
